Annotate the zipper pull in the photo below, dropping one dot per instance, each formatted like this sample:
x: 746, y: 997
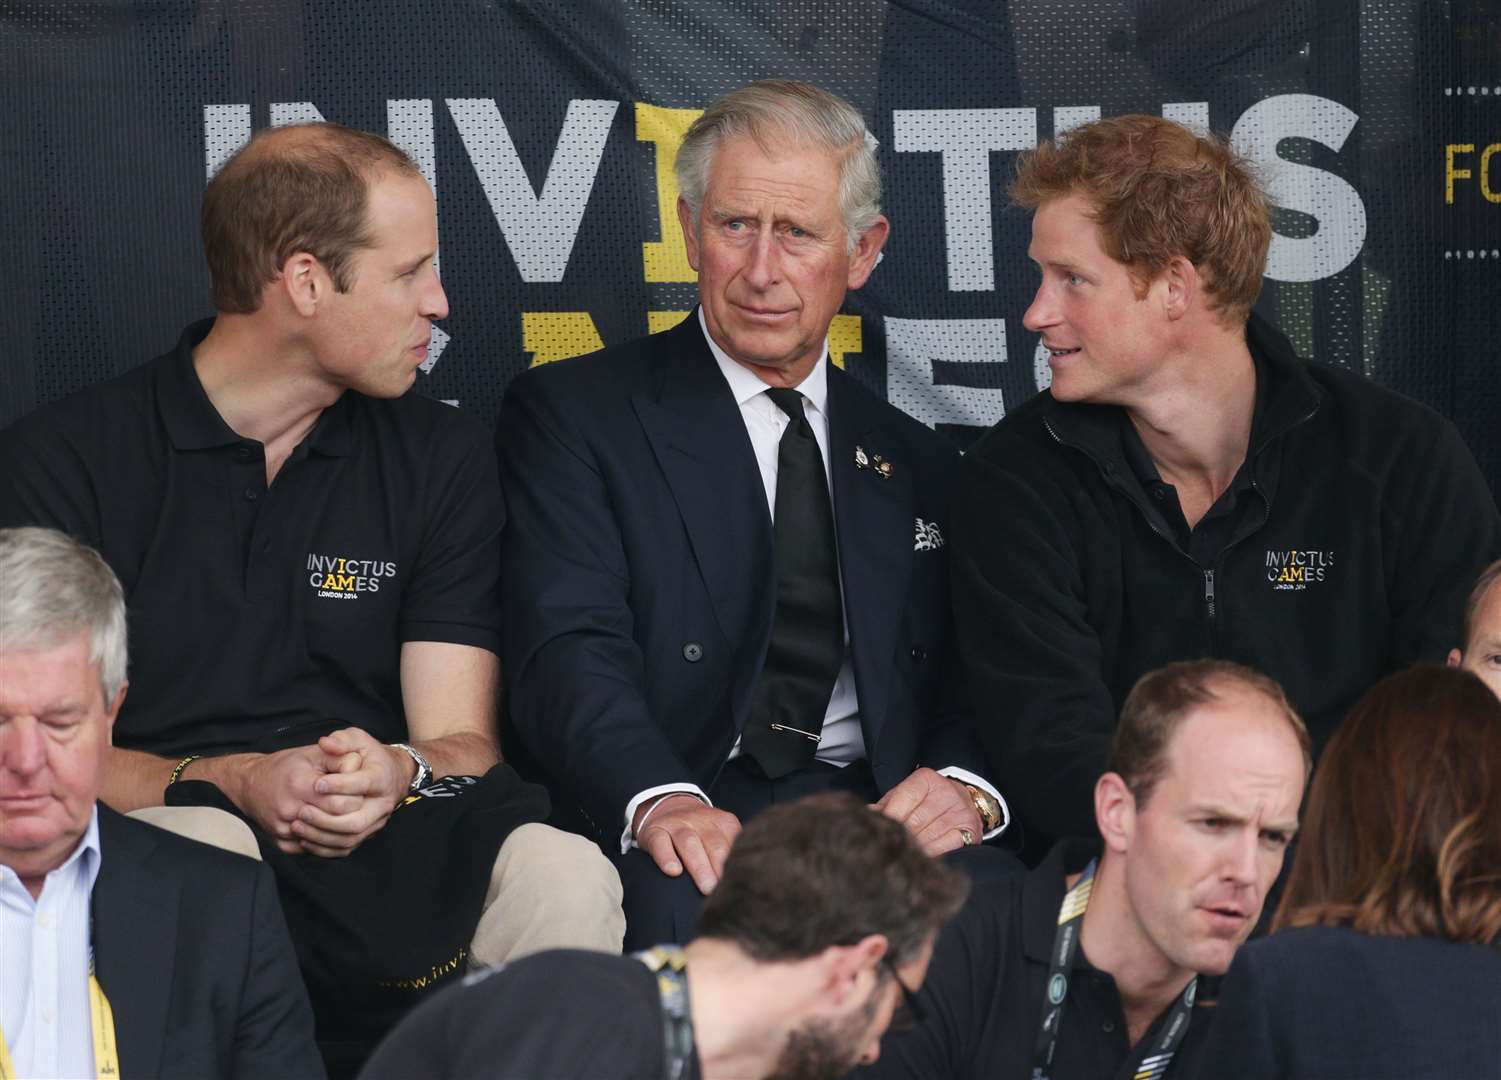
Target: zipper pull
x: 1209, y: 591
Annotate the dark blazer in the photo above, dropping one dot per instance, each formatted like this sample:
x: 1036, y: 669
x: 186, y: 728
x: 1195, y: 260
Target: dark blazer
x: 1332, y: 1004
x: 193, y: 955
x: 637, y: 574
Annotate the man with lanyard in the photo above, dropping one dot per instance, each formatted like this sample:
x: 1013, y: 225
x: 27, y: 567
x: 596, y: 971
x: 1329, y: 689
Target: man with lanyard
x: 1091, y: 965
x: 115, y: 959
x: 813, y: 941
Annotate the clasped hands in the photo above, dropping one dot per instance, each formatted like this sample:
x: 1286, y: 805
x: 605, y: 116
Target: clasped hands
x: 680, y: 833
x: 327, y: 798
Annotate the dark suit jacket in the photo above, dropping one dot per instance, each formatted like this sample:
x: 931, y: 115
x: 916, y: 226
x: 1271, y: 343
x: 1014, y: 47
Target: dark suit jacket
x: 1334, y: 1004
x: 193, y: 955
x: 638, y: 582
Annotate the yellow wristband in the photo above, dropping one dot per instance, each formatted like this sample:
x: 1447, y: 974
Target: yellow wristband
x: 181, y: 765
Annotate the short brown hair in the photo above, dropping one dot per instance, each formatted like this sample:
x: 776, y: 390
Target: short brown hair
x: 1158, y: 704
x: 1402, y: 834
x: 829, y: 870
x: 1159, y: 190
x: 1489, y: 578
x: 303, y: 187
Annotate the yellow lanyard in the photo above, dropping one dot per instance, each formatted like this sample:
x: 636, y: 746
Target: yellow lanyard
x: 101, y: 1020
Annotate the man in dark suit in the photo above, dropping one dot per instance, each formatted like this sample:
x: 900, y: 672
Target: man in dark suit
x: 123, y: 949
x: 724, y: 563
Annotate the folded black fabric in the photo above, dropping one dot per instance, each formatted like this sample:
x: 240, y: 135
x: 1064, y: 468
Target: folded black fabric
x: 375, y: 932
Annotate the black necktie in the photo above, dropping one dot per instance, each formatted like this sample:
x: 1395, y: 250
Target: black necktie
x: 807, y: 631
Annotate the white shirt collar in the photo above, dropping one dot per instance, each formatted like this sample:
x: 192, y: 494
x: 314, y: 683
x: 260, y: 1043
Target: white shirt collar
x: 745, y: 384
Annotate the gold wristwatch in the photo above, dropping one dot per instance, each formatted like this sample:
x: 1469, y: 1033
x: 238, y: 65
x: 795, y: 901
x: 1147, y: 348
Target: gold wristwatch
x: 988, y: 806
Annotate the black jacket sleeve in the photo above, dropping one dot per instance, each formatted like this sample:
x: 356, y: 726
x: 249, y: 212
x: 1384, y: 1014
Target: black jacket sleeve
x: 576, y: 675
x: 1029, y: 658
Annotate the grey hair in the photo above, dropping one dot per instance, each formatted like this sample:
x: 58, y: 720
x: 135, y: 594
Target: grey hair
x: 53, y: 588
x: 800, y: 112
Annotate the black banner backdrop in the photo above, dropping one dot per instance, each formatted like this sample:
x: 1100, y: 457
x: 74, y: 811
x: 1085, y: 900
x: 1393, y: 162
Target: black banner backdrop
x: 548, y: 129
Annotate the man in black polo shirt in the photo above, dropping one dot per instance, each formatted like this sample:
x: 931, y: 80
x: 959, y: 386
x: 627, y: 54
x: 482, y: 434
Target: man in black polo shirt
x: 1089, y: 966
x: 1187, y: 486
x: 310, y: 557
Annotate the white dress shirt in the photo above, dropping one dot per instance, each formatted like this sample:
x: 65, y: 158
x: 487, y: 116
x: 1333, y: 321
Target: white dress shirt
x: 44, y: 966
x: 841, y: 741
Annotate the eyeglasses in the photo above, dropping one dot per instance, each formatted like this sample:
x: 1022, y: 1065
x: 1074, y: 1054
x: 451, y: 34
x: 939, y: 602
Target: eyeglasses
x: 911, y: 1012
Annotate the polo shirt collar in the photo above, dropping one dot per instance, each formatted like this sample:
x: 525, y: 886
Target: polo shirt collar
x: 190, y: 418
x: 745, y: 384
x: 193, y: 423
x: 1042, y: 895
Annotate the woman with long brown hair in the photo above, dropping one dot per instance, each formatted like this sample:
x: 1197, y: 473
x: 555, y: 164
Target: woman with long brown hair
x: 1385, y: 960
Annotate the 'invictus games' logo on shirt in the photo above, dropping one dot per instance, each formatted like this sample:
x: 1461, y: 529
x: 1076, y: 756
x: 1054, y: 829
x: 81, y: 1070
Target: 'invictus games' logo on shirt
x: 339, y: 577
x: 1296, y: 569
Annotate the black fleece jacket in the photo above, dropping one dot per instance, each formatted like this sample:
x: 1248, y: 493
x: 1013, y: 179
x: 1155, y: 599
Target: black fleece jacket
x: 1366, y: 525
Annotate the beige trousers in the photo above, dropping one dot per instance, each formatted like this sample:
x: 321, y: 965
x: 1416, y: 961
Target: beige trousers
x: 548, y: 889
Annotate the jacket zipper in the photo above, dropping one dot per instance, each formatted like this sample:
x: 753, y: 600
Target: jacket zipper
x: 1211, y: 605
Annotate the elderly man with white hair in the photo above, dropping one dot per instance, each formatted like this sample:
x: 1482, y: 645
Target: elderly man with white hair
x: 124, y: 949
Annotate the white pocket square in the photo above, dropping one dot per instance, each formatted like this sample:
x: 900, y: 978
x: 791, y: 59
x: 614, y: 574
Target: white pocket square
x: 928, y: 538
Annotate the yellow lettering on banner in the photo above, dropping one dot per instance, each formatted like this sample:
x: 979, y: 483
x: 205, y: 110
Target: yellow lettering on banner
x: 1452, y: 174
x: 665, y: 259
x: 557, y: 335
x: 657, y: 321
x: 1485, y: 173
x: 844, y: 336
x: 346, y: 583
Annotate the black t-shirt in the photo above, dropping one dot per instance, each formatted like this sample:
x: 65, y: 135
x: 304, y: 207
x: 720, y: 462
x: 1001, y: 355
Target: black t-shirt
x: 556, y: 1015
x: 985, y: 988
x: 264, y: 617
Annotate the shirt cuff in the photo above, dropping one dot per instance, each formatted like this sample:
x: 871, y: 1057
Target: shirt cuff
x: 627, y: 839
x: 964, y: 776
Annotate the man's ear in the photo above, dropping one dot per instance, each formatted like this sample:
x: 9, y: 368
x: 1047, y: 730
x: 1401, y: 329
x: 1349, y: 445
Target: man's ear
x: 867, y: 250
x: 112, y: 710
x: 304, y: 282
x: 690, y: 231
x: 1115, y: 811
x: 844, y: 968
x: 1456, y: 658
x: 1181, y: 286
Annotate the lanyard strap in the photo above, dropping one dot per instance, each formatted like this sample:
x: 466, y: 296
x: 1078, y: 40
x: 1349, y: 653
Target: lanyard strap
x: 102, y: 1023
x: 1060, y: 966
x: 669, y: 964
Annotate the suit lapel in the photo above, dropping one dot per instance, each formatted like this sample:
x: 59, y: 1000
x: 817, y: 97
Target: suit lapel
x: 874, y: 518
x: 135, y: 939
x: 699, y: 439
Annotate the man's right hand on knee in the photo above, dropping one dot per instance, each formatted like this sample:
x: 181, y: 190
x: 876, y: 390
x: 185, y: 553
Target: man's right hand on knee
x: 680, y: 832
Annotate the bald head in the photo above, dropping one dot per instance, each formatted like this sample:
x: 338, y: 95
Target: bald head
x: 301, y: 188
x: 1162, y: 699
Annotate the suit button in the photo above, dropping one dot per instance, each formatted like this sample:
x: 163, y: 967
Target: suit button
x: 919, y: 654
x: 693, y: 652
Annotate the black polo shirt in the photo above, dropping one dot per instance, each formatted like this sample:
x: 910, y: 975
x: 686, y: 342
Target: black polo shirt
x: 985, y: 987
x: 1204, y: 541
x: 264, y: 617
